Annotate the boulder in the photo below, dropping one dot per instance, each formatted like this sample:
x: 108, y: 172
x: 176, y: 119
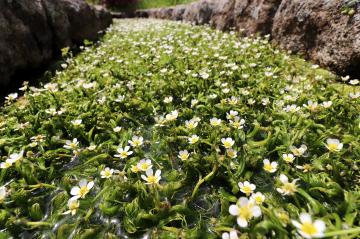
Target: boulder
x: 33, y: 32
x: 321, y: 32
x: 317, y: 29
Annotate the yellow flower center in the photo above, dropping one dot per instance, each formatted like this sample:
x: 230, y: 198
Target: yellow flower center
x: 227, y: 144
x: 191, y: 125
x: 184, y: 156
x: 258, y: 199
x: 247, y: 190
x: 288, y: 159
x: 83, y: 191
x: 333, y: 147
x: 136, y: 142
x: 107, y: 174
x: 245, y: 213
x: 289, y: 187
x: 124, y: 154
x: 135, y: 169
x: 152, y: 179
x: 268, y: 167
x: 144, y: 166
x: 309, y: 228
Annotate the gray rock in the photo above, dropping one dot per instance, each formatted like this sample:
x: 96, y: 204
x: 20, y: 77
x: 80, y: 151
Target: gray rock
x: 317, y: 29
x: 33, y: 32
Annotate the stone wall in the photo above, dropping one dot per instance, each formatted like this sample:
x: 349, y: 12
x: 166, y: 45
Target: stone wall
x: 316, y: 29
x: 32, y: 32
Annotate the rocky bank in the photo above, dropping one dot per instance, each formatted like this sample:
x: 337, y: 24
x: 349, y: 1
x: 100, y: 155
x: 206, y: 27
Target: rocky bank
x: 319, y: 30
x: 32, y: 32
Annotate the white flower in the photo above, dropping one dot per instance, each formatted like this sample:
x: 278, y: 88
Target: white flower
x: 292, y: 108
x: 76, y: 122
x: 38, y: 138
x: 237, y: 122
x: 150, y: 178
x: 193, y: 139
x: 172, y: 116
x: 120, y: 98
x: 327, y: 104
x: 231, y: 115
x: 287, y: 188
x: 168, y: 99
x: 233, y: 100
x: 194, y: 102
x: 14, y: 157
x: 246, y: 187
x: 230, y: 235
x: 117, y: 129
x: 244, y: 210
x: 183, y: 155
x: 136, y: 141
x: 52, y: 87
x: 312, y: 106
x: 81, y: 190
x: 289, y: 158
x: 191, y: 124
x: 354, y: 82
x: 73, y: 205
x: 107, y: 172
x: 258, y: 198
x: 123, y: 152
x: 354, y: 95
x: 309, y: 229
x: 7, y: 164
x: 91, y: 147
x: 215, y: 121
x: 298, y: 151
x: 231, y: 153
x: 265, y: 101
x: 144, y: 165
x: 345, y: 78
x: 12, y: 96
x: 334, y: 145
x: 270, y: 167
x: 73, y: 145
x: 227, y: 142
x: 3, y: 193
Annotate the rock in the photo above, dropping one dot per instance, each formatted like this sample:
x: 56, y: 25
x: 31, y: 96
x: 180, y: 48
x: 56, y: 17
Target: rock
x: 33, y: 32
x: 317, y: 29
x: 255, y: 16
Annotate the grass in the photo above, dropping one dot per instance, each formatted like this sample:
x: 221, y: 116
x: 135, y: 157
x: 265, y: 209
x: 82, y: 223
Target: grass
x: 211, y: 115
x: 145, y: 4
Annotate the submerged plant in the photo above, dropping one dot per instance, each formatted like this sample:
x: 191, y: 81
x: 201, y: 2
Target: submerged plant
x: 168, y: 130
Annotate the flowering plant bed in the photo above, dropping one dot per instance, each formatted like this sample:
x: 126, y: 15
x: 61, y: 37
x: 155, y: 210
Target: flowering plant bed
x: 167, y: 130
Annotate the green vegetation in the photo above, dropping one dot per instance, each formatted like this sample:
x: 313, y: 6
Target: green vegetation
x: 144, y: 4
x: 174, y: 131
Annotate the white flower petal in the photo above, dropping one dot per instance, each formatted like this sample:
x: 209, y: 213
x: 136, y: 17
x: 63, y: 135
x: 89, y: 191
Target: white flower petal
x: 234, y: 210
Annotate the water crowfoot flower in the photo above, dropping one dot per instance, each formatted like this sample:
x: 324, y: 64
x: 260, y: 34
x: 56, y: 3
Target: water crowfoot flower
x: 258, y: 198
x: 123, y: 152
x: 227, y: 142
x: 144, y: 165
x: 183, y: 155
x: 289, y: 158
x: 193, y: 139
x: 73, y: 205
x: 215, y: 121
x: 107, y: 173
x: 270, y: 167
x: 309, y: 229
x: 150, y: 178
x: 246, y: 187
x: 230, y: 235
x: 287, y: 188
x: 136, y: 141
x: 334, y: 145
x: 73, y: 145
x: 244, y: 210
x: 81, y: 190
x: 3, y: 193
x: 76, y: 122
x: 298, y: 151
